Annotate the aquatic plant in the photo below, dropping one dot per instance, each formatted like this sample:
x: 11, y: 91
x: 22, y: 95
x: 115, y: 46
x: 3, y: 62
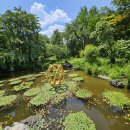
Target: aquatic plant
x: 23, y: 86
x: 72, y: 86
x: 78, y: 121
x: 1, y: 92
x: 1, y: 85
x: 14, y: 79
x: 38, y: 75
x: 26, y: 76
x: 83, y: 93
x: 1, y: 82
x: 77, y: 79
x: 7, y: 100
x: 32, y: 92
x: 73, y: 75
x: 41, y: 99
x: 31, y: 79
x: 15, y: 82
x: 116, y: 99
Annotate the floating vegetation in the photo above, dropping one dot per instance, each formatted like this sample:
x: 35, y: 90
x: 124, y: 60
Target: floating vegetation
x: 14, y: 79
x: 23, y: 86
x: 15, y: 82
x: 77, y: 79
x: 26, y: 76
x: 1, y: 82
x: 73, y: 75
x: 2, y: 92
x: 72, y: 86
x: 116, y: 99
x: 83, y: 93
x: 7, y: 100
x: 41, y: 99
x: 32, y: 92
x: 78, y: 121
x: 38, y: 75
x: 1, y: 85
x: 31, y: 79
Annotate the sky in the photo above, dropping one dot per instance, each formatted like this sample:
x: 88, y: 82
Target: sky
x: 53, y: 14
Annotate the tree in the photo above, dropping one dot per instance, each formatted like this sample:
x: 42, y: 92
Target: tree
x: 104, y: 34
x: 57, y: 38
x: 122, y: 4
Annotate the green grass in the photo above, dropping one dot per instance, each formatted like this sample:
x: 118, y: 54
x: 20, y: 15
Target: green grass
x: 78, y: 121
x: 116, y: 99
x: 83, y: 93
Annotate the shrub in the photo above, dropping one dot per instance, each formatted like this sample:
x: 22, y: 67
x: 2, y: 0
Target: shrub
x: 91, y: 53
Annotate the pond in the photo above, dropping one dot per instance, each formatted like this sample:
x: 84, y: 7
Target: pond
x: 101, y: 114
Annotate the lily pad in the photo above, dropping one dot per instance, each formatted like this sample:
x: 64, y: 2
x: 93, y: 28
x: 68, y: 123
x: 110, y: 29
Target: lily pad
x: 78, y: 121
x: 1, y: 92
x: 73, y: 75
x: 1, y: 85
x: 32, y: 92
x: 7, y: 100
x: 41, y: 99
x: 15, y: 82
x: 77, y: 79
x: 116, y: 99
x: 23, y: 86
x: 83, y: 93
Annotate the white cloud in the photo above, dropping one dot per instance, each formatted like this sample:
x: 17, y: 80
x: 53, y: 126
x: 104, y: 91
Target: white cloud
x: 51, y: 29
x: 46, y: 18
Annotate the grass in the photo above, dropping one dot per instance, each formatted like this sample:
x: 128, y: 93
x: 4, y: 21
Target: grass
x: 83, y: 93
x: 78, y: 121
x: 7, y: 100
x: 116, y: 99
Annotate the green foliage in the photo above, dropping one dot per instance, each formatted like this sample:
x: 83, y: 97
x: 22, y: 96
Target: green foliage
x: 7, y: 100
x: 1, y: 85
x: 32, y: 92
x: 83, y: 93
x: 77, y: 79
x: 23, y: 86
x: 2, y: 92
x: 116, y: 99
x: 91, y: 53
x: 78, y: 121
x: 15, y: 82
x: 73, y: 75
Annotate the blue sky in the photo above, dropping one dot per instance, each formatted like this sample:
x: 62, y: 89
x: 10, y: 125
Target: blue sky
x: 53, y: 14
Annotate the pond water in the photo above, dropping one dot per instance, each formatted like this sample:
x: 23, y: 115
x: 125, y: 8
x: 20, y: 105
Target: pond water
x: 103, y: 117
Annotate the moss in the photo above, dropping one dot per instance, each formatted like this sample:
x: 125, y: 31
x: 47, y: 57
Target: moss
x: 23, y: 86
x: 15, y: 82
x: 32, y: 92
x: 73, y: 75
x: 83, y: 93
x: 7, y: 100
x: 78, y: 121
x: 116, y: 99
x: 1, y: 92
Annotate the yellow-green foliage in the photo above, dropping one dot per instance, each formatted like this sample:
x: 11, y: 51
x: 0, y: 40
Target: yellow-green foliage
x: 7, y: 100
x: 32, y: 92
x: 1, y: 92
x: 83, y: 93
x: 23, y: 86
x: 15, y: 82
x: 78, y: 121
x: 116, y: 99
x: 73, y: 75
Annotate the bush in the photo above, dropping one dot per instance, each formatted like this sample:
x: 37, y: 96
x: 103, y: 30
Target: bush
x: 91, y: 53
